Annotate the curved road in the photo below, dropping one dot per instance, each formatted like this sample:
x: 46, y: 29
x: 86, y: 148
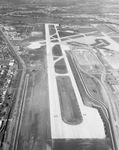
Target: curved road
x: 105, y: 114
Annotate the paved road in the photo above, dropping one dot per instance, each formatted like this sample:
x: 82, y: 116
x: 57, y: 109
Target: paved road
x: 20, y: 114
x: 87, y: 90
x: 100, y: 105
x: 111, y: 105
x: 22, y: 67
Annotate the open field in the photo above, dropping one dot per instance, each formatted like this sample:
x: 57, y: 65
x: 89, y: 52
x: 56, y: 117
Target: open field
x: 116, y: 39
x: 77, y: 36
x: 81, y: 144
x: 86, y: 30
x: 35, y: 129
x: 60, y: 67
x: 52, y: 29
x: 65, y: 34
x: 68, y: 103
x: 54, y: 36
x: 57, y: 50
x: 105, y: 28
x: 94, y: 87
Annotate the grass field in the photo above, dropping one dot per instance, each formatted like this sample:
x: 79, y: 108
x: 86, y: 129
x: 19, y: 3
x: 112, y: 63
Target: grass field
x: 86, y: 30
x: 104, y: 28
x: 111, y: 79
x: 52, y: 29
x: 54, y: 36
x: 54, y: 41
x: 80, y: 144
x: 57, y: 50
x: 65, y: 34
x: 116, y: 39
x: 60, y: 67
x: 70, y: 110
x: 94, y: 87
x: 75, y: 37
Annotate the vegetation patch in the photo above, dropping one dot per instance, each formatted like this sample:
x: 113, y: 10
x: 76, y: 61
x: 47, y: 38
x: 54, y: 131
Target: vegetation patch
x: 105, y: 28
x: 64, y: 39
x: 57, y: 50
x: 116, y: 39
x: 55, y: 41
x: 70, y: 110
x: 81, y: 144
x: 55, y: 58
x: 60, y: 67
x: 65, y: 34
x: 93, y: 87
x: 52, y: 29
x: 75, y: 37
x: 54, y: 36
x: 111, y: 79
x: 86, y: 30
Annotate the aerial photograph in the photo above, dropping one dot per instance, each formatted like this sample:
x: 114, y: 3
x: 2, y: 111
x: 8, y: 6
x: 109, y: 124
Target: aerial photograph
x: 59, y: 74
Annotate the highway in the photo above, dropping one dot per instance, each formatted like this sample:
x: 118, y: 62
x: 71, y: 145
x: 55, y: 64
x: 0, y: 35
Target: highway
x: 20, y: 114
x: 22, y: 67
x: 111, y: 107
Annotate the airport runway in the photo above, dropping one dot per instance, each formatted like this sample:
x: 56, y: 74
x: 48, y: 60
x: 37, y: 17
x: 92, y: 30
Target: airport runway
x: 59, y: 129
